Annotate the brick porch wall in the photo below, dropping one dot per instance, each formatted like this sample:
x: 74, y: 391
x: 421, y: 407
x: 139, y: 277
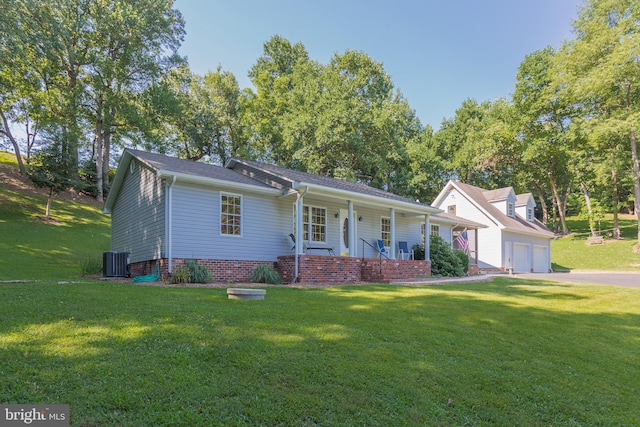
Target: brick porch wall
x: 395, y: 270
x: 338, y: 269
x: 474, y: 270
x: 317, y: 269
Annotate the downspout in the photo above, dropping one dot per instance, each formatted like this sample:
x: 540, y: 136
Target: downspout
x: 299, y: 234
x: 170, y: 225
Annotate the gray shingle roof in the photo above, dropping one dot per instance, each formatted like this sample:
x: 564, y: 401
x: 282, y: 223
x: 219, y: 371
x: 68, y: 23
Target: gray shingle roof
x: 196, y: 169
x: 294, y: 176
x: 518, y: 223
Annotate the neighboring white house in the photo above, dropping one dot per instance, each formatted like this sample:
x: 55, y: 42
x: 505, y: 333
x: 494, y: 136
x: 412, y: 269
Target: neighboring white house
x: 513, y: 237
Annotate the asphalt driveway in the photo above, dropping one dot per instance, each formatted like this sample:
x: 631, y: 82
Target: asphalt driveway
x: 594, y: 277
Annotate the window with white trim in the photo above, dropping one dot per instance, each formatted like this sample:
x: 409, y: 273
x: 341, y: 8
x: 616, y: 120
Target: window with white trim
x: 510, y: 209
x: 314, y: 223
x: 230, y: 214
x: 529, y: 214
x: 385, y: 230
x: 435, y: 230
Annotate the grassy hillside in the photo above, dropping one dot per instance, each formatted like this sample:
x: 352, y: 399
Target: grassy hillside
x: 573, y: 253
x: 32, y: 248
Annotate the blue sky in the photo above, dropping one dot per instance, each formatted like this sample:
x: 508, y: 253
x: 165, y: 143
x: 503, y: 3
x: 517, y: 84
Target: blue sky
x: 438, y: 53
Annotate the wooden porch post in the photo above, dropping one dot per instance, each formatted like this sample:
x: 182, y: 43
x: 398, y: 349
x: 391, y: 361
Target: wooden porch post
x: 352, y: 230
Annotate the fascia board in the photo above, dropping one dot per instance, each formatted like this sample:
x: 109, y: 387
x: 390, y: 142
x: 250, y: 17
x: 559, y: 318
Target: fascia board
x: 369, y: 199
x: 480, y: 208
x: 182, y: 177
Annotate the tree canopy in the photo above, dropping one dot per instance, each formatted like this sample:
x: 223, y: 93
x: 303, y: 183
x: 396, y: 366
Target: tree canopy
x: 90, y: 74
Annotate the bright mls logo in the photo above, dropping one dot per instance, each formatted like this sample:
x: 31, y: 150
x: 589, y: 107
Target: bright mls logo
x: 34, y: 415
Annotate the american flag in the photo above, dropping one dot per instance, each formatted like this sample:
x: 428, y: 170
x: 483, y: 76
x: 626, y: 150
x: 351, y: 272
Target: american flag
x: 463, y: 241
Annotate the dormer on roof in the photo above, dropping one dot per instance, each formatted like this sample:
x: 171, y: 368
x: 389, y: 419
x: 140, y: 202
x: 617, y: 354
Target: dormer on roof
x: 503, y: 199
x: 525, y: 206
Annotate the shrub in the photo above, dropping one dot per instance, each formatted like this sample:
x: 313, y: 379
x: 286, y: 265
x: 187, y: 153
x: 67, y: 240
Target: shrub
x: 446, y: 261
x: 198, y: 273
x: 91, y: 266
x: 180, y: 275
x: 191, y: 272
x: 265, y: 274
x: 418, y: 251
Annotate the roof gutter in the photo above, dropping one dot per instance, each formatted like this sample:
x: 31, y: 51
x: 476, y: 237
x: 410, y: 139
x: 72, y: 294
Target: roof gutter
x: 213, y: 181
x: 374, y: 200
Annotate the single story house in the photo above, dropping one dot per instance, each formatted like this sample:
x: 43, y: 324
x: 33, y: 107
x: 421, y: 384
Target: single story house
x: 512, y: 239
x: 166, y: 211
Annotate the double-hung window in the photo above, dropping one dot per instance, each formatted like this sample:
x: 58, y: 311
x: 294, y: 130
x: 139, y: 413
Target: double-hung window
x: 385, y: 230
x: 230, y: 214
x: 314, y: 224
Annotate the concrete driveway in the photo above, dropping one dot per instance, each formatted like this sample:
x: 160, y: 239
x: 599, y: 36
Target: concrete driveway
x: 594, y: 277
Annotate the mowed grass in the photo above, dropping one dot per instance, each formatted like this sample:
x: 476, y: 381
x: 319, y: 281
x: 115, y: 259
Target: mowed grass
x: 507, y: 352
x: 573, y: 253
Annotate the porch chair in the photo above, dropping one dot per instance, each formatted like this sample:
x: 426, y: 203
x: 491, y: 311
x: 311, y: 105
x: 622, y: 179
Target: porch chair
x: 404, y: 252
x: 382, y: 251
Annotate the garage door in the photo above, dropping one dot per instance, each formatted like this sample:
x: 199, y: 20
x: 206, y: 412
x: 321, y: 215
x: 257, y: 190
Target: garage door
x: 540, y: 259
x: 521, y: 263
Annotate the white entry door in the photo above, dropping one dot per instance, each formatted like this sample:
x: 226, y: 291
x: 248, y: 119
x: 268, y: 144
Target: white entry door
x: 344, y: 231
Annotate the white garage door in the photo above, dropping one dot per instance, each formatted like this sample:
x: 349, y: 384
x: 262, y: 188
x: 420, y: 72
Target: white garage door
x: 540, y: 259
x: 521, y: 263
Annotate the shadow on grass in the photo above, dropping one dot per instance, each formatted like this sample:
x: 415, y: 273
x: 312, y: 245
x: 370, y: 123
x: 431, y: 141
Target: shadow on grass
x: 504, y: 352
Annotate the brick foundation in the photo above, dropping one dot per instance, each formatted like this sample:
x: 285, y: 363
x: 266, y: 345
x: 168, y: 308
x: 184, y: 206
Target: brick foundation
x: 311, y: 269
x: 222, y: 270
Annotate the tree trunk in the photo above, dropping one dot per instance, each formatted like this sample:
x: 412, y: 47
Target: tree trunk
x: 99, y: 160
x: 636, y: 179
x: 16, y: 147
x: 616, y: 202
x: 587, y: 200
x: 543, y: 204
x: 634, y: 158
x: 48, y: 209
x: 561, y: 206
x: 105, y: 160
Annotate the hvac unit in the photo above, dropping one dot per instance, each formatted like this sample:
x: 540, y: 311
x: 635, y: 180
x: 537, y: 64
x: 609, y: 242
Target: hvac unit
x: 115, y: 264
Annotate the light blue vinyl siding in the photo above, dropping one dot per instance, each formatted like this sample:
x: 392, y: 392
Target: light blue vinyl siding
x: 137, y: 216
x: 196, y: 226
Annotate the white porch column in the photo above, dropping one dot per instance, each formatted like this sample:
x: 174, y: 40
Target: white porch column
x: 392, y: 244
x: 299, y: 233
x: 427, y: 237
x: 352, y: 230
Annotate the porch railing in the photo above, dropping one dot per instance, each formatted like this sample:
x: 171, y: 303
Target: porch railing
x: 380, y: 255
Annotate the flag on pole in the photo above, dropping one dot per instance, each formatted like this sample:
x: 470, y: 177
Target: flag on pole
x: 463, y: 241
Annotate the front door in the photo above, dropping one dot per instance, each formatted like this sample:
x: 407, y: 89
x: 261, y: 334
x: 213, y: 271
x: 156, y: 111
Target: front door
x: 344, y: 231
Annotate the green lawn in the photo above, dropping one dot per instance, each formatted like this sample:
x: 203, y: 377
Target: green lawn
x: 507, y: 352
